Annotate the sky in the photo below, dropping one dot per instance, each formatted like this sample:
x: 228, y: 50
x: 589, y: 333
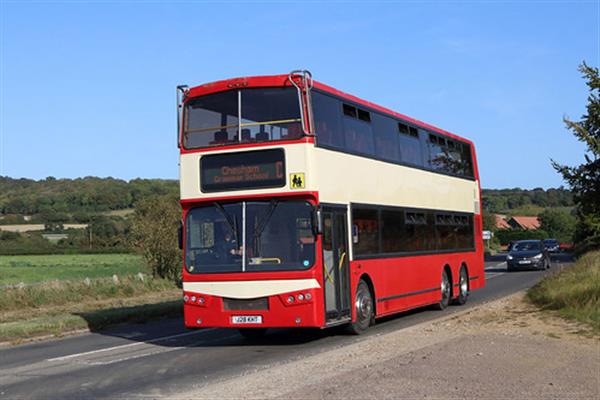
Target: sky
x: 87, y: 88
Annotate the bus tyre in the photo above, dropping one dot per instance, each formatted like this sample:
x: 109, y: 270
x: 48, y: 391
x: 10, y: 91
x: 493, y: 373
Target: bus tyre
x: 252, y: 333
x: 445, y: 291
x: 463, y: 287
x: 363, y: 307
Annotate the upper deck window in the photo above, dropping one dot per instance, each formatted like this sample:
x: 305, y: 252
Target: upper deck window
x: 267, y: 114
x: 348, y: 128
x: 449, y: 156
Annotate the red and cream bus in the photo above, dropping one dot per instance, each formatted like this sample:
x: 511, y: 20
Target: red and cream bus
x: 304, y: 206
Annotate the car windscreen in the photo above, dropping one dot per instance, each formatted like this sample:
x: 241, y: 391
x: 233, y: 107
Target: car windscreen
x: 526, y: 246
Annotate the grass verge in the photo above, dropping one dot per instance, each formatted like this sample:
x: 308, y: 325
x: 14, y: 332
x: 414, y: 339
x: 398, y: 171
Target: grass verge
x: 574, y: 293
x: 61, y: 323
x: 57, y: 307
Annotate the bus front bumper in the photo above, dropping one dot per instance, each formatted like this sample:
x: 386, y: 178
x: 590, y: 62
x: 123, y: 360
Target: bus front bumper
x: 294, y: 309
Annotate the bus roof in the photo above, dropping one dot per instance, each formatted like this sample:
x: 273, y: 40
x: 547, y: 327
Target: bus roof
x: 282, y: 81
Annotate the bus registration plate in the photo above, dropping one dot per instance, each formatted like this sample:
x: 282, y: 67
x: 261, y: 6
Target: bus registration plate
x: 246, y: 319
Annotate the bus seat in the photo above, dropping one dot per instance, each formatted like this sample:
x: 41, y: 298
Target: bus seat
x: 221, y: 136
x: 262, y: 136
x: 246, y: 135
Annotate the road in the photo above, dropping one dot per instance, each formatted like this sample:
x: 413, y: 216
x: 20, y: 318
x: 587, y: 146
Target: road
x: 162, y: 358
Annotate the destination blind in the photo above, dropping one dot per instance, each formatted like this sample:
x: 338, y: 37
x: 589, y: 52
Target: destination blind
x: 244, y: 170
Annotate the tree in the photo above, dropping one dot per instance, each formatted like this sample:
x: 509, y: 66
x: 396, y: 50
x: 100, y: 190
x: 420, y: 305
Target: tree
x: 489, y: 221
x: 584, y: 179
x: 559, y: 224
x: 154, y: 229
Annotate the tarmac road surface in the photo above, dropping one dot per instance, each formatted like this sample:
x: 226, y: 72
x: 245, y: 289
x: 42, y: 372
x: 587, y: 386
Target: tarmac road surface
x: 162, y: 357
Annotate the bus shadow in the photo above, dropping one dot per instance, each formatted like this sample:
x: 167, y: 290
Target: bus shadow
x: 168, y: 330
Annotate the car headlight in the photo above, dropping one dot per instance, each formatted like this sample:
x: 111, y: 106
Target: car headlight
x: 538, y: 256
x: 509, y: 257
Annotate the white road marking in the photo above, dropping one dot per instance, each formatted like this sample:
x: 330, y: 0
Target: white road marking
x: 492, y: 276
x: 123, y: 346
x: 152, y: 352
x: 494, y: 266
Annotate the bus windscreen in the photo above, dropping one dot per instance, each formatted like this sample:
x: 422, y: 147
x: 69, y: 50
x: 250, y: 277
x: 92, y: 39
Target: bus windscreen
x: 279, y: 235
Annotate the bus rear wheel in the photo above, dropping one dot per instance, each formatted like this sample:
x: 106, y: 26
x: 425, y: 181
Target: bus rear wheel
x: 252, y: 333
x: 463, y: 287
x: 363, y: 307
x: 445, y: 291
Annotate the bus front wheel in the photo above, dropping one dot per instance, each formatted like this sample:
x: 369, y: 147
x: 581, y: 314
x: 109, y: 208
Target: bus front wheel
x: 363, y: 307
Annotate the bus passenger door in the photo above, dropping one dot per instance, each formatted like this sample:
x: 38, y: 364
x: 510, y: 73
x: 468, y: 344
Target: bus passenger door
x: 336, y: 273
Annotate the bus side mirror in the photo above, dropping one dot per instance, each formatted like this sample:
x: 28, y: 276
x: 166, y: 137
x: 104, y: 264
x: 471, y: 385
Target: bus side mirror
x: 180, y: 235
x: 317, y: 225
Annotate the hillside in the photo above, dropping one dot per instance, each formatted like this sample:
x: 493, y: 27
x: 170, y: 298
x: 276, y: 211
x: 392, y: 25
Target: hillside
x: 525, y: 202
x: 65, y: 200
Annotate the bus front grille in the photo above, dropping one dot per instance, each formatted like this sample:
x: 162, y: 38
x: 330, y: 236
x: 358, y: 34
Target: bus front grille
x: 261, y: 303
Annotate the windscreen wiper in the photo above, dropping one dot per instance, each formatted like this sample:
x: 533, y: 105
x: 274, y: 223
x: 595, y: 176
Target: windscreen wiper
x: 230, y: 222
x: 260, y: 227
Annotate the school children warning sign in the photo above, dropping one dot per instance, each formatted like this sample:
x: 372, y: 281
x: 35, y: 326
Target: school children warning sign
x: 297, y: 181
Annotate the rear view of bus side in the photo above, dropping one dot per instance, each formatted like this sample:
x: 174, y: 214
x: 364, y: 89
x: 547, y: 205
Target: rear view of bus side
x: 304, y: 206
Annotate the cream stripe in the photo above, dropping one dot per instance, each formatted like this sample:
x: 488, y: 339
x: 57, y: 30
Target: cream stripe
x: 249, y: 289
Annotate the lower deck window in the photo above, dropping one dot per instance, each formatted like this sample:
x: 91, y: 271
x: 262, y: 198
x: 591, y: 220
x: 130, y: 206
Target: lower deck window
x: 388, y: 230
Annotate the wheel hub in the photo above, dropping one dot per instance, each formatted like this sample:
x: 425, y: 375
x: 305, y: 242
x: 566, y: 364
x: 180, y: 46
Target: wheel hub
x: 363, y: 306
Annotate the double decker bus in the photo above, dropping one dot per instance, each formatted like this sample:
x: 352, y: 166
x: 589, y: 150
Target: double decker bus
x: 304, y: 206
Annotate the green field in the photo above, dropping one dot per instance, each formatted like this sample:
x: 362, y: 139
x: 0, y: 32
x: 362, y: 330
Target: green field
x: 32, y: 269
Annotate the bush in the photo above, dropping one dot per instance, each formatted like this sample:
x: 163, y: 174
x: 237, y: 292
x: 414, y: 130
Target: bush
x: 574, y: 292
x: 507, y: 235
x: 559, y: 224
x: 155, y: 224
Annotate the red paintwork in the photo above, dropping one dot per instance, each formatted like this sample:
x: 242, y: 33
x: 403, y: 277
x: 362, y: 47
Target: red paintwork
x: 390, y: 277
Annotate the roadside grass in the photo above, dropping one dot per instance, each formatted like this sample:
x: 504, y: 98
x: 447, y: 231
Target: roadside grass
x: 87, y: 317
x: 34, y: 268
x: 56, y: 307
x: 574, y: 293
x: 58, y: 293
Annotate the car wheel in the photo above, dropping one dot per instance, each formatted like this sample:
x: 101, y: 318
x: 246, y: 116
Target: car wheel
x: 445, y: 291
x: 463, y: 288
x: 363, y: 307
